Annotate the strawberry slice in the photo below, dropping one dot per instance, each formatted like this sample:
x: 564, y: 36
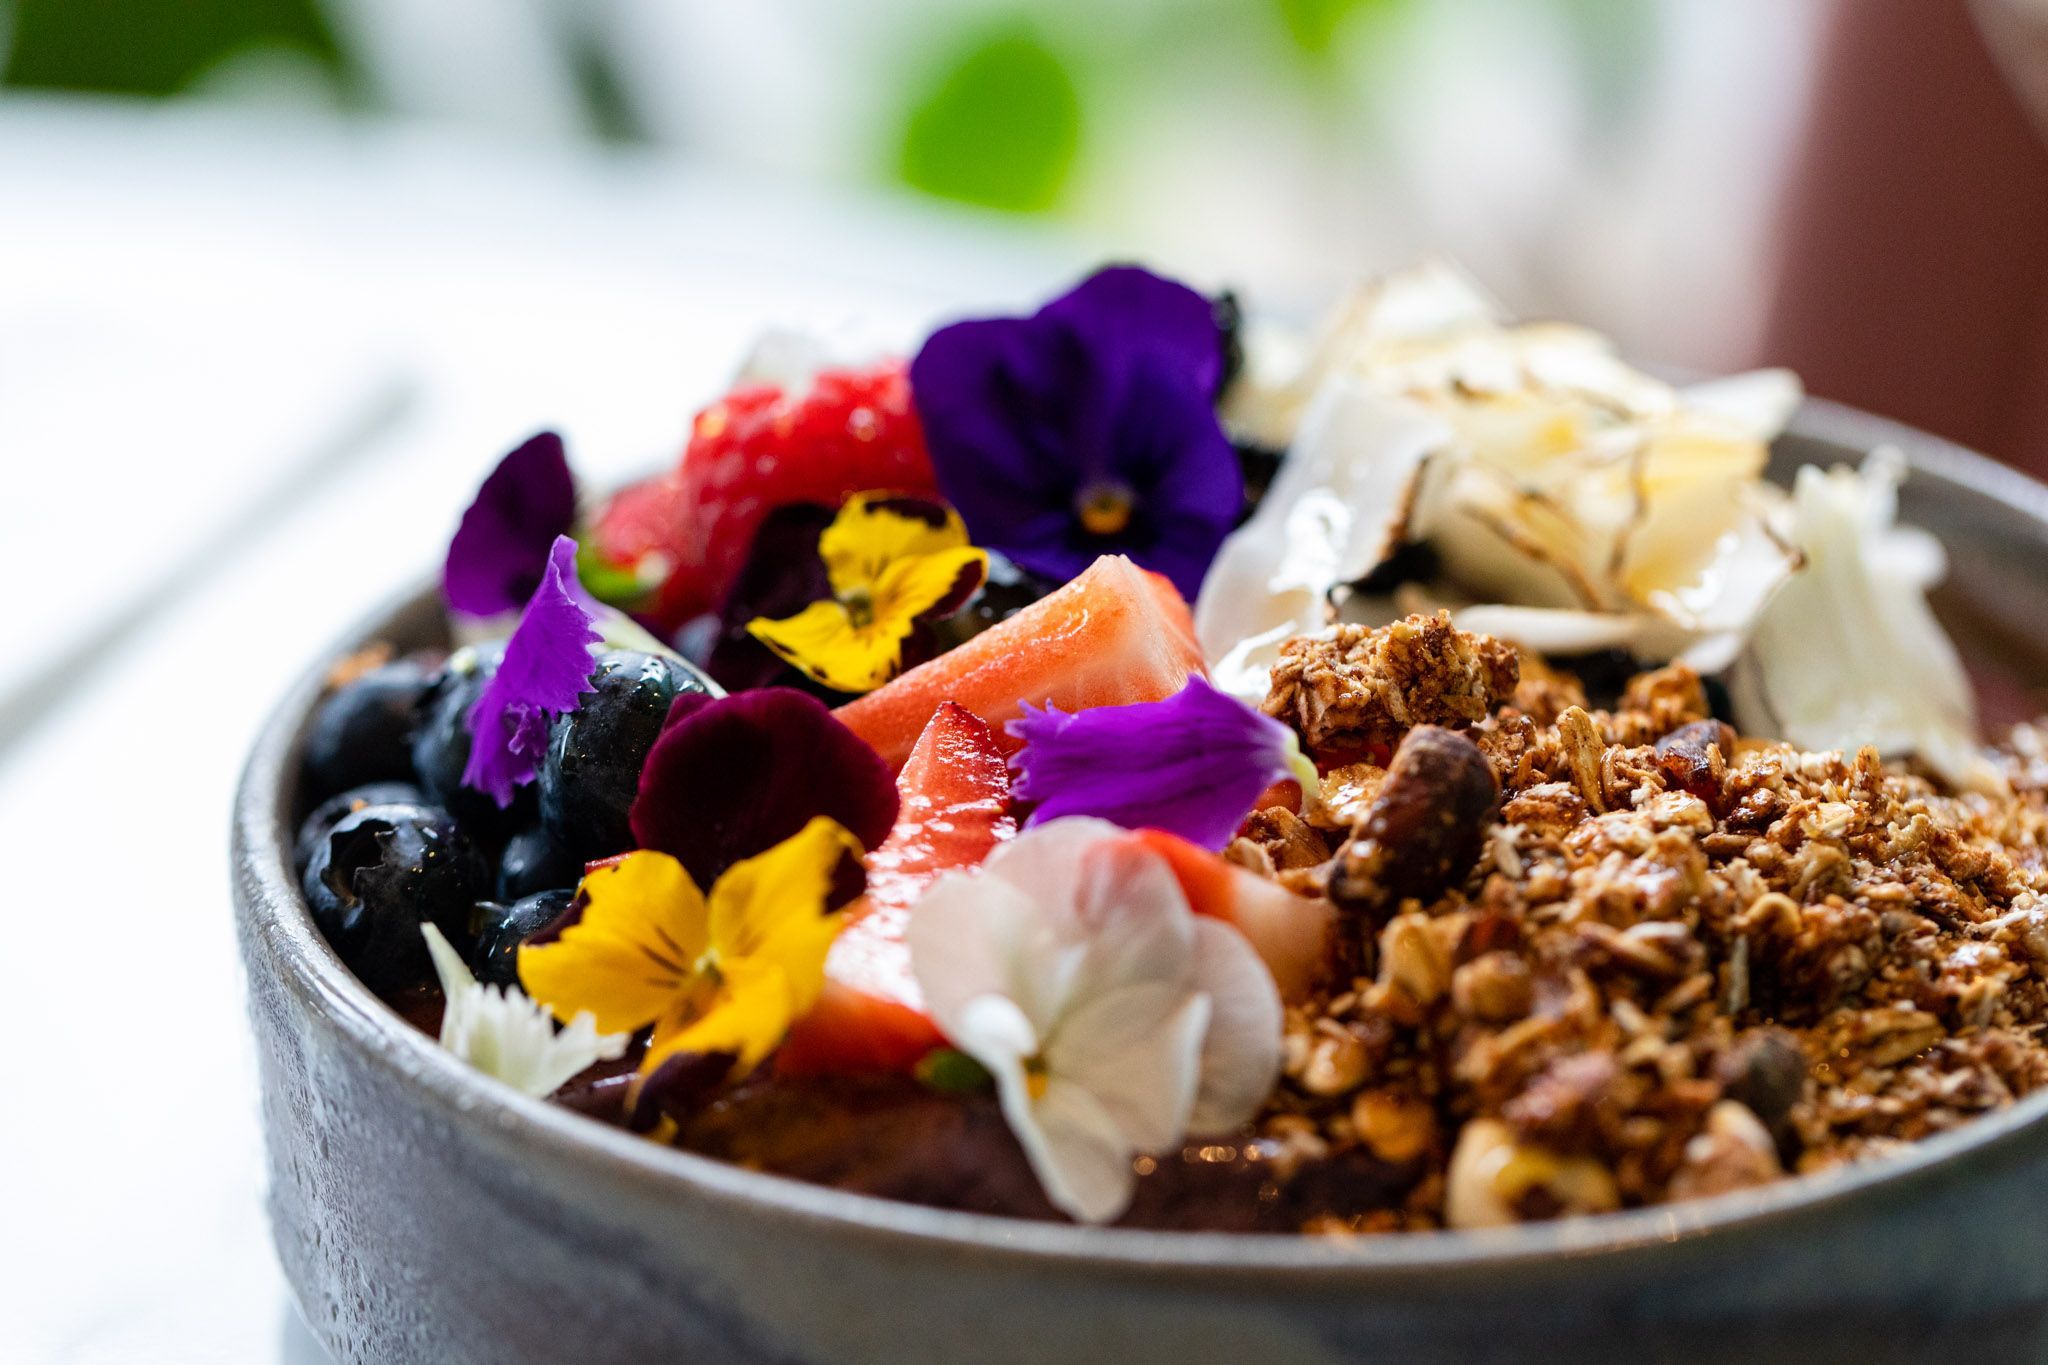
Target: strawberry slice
x: 955, y: 809
x: 1290, y: 933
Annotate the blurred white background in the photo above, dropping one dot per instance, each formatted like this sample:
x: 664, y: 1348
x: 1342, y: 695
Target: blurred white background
x: 280, y: 278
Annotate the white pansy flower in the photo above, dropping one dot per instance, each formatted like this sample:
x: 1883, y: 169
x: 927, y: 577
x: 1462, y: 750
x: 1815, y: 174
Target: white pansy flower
x: 1114, y: 1020
x: 502, y: 1033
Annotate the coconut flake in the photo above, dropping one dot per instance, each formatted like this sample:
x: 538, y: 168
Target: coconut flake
x: 1598, y: 502
x: 1338, y: 508
x: 1848, y: 652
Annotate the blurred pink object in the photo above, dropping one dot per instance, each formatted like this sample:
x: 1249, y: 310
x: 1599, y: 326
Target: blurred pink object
x: 1914, y: 242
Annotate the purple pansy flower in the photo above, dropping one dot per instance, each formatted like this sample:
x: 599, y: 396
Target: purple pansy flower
x: 783, y: 574
x: 733, y: 776
x: 1088, y: 428
x: 501, y: 548
x: 544, y: 674
x: 1192, y: 765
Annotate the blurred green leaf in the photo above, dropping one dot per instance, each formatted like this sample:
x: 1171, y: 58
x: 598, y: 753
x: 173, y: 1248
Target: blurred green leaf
x: 998, y: 123
x: 1313, y: 24
x: 154, y: 47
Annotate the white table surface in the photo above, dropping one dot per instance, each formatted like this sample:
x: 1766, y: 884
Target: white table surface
x: 407, y: 304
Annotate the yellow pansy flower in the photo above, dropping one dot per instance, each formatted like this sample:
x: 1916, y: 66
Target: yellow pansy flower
x: 725, y: 973
x: 893, y: 563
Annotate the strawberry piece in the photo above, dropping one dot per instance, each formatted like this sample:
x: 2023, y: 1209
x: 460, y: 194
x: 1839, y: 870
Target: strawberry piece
x: 641, y: 531
x: 955, y: 809
x: 1290, y: 933
x: 760, y: 448
x: 1115, y: 634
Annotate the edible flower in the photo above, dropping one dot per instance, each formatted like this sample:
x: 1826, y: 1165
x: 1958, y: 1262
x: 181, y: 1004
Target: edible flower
x: 893, y: 564
x: 544, y: 673
x: 1114, y: 1020
x: 730, y: 776
x: 503, y: 1033
x: 782, y: 575
x: 720, y: 974
x: 501, y: 549
x: 1192, y: 765
x: 1086, y: 429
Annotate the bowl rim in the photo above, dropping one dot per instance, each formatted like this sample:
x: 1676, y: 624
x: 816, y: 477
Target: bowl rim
x: 274, y: 911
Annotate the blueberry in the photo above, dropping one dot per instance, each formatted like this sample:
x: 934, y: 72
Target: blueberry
x: 328, y: 813
x: 502, y: 928
x: 363, y: 731
x: 533, y: 862
x: 592, y: 769
x: 1008, y: 589
x: 440, y: 748
x: 378, y: 874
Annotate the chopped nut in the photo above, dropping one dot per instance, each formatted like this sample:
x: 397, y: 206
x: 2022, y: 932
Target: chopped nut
x: 1731, y: 1152
x: 1424, y: 828
x: 1495, y: 987
x: 1289, y: 842
x: 1494, y: 1180
x: 1414, y: 957
x: 1335, y: 1064
x: 1396, y: 1126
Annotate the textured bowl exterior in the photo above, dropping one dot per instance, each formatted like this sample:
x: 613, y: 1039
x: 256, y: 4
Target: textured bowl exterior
x: 423, y: 1212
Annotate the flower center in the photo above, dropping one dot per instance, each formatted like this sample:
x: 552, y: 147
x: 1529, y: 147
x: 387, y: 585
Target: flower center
x: 860, y: 607
x: 1036, y: 1078
x: 1104, y: 508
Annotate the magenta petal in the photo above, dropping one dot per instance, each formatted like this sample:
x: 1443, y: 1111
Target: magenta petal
x: 544, y: 674
x: 501, y: 548
x: 733, y: 776
x: 1191, y: 765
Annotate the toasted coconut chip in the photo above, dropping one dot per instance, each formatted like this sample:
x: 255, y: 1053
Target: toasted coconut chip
x: 1759, y: 403
x: 1848, y: 652
x: 1548, y: 476
x: 1340, y: 506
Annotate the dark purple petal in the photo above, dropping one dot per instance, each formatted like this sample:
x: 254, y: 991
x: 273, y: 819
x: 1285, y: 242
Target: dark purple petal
x: 1191, y: 765
x: 544, y: 673
x: 782, y: 575
x: 1113, y: 383
x: 734, y: 776
x: 501, y: 548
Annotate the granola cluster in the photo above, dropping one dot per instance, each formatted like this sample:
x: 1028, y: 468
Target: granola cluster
x: 1592, y: 958
x: 1354, y: 688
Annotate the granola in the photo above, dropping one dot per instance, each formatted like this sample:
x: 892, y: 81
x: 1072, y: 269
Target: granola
x: 1666, y: 962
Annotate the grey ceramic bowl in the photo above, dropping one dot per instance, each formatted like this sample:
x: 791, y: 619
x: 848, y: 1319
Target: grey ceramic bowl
x: 426, y: 1213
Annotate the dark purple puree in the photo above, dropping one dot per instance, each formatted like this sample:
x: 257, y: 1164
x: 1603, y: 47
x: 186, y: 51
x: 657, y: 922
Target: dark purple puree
x: 893, y: 1137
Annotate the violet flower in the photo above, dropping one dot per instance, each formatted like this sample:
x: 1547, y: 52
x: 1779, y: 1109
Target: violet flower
x: 544, y: 674
x: 1192, y: 765
x: 730, y: 777
x: 1086, y: 429
x: 501, y: 549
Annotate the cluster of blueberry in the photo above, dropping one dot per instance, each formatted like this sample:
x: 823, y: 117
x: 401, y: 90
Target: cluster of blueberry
x: 394, y: 838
